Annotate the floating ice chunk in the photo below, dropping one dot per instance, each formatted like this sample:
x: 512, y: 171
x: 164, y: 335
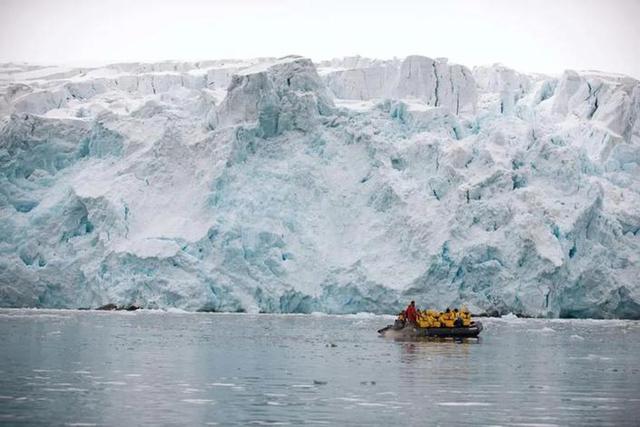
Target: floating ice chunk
x: 509, y: 316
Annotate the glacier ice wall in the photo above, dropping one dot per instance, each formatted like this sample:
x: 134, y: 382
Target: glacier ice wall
x: 279, y: 186
x: 434, y: 82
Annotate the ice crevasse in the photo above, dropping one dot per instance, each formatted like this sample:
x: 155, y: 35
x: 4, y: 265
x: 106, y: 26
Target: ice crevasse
x: 356, y: 184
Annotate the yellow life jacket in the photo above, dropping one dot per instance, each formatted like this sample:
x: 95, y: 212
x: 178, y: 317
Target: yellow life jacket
x: 466, y: 318
x: 421, y: 319
x: 432, y: 319
x: 446, y: 320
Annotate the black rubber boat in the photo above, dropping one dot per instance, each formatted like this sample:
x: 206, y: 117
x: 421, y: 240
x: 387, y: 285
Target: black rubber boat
x: 409, y: 331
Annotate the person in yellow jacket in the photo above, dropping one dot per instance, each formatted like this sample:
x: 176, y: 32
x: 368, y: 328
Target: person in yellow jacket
x: 447, y: 318
x: 466, y: 316
x: 433, y: 318
x: 457, y: 319
x: 421, y: 319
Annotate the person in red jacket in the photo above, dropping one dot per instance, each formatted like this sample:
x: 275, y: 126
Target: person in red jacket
x: 411, y: 313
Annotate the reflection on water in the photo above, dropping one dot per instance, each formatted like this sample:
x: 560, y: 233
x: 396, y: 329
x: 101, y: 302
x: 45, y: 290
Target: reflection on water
x: 162, y: 368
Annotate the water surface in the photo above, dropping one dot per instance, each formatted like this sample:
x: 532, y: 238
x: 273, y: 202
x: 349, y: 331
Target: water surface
x: 133, y: 368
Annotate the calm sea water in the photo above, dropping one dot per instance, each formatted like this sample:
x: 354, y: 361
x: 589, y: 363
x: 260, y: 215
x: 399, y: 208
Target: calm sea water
x: 93, y: 368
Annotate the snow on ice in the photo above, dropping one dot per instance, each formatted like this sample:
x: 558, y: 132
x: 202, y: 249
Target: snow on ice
x: 352, y: 185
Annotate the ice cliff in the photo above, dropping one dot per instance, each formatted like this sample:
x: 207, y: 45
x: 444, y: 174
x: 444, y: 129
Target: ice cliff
x: 352, y: 185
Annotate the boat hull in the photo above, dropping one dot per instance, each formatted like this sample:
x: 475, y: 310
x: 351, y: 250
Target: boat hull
x: 416, y: 332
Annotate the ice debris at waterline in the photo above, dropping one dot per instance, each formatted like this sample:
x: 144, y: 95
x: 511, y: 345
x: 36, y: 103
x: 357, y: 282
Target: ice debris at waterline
x: 345, y: 186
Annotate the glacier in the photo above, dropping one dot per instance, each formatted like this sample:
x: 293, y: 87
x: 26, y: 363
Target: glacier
x: 342, y: 186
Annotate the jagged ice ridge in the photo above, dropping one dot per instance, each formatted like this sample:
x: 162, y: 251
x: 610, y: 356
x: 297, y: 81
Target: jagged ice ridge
x: 279, y: 185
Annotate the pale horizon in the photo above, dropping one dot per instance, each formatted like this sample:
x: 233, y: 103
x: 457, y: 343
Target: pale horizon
x: 546, y: 37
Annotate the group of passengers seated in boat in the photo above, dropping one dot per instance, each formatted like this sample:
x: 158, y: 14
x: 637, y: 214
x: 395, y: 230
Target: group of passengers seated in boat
x: 432, y: 318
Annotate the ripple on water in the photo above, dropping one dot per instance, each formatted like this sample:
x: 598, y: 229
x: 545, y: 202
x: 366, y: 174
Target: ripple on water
x: 520, y: 371
x: 269, y: 423
x: 349, y: 399
x: 464, y: 404
x: 198, y: 401
x: 545, y: 330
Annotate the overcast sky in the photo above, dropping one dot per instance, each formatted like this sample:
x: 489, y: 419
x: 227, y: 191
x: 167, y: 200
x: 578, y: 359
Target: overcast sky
x: 545, y: 35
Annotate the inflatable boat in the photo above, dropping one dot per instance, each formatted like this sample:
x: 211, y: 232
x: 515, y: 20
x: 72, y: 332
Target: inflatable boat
x: 408, y: 331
